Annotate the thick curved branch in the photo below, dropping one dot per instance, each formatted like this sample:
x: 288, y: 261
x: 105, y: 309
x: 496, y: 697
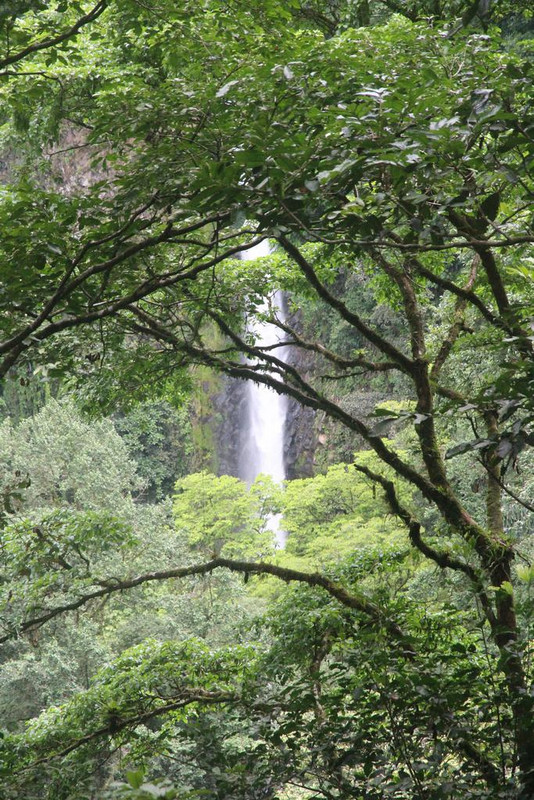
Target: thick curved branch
x: 456, y: 327
x: 470, y: 296
x: 450, y: 394
x: 402, y: 278
x: 353, y: 319
x: 494, y: 279
x: 335, y: 358
x: 52, y: 41
x: 192, y: 696
x: 426, y: 430
x: 357, y: 602
x: 442, y: 558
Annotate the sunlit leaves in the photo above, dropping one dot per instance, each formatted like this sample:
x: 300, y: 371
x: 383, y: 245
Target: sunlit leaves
x: 331, y: 515
x: 221, y: 514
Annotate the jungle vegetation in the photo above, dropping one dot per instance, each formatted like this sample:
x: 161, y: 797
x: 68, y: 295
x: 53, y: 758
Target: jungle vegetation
x: 154, y: 642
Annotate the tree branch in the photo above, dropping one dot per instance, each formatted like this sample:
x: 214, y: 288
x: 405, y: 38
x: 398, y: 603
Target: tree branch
x: 334, y: 358
x: 192, y: 696
x: 426, y: 431
x: 353, y: 319
x: 14, y: 346
x: 457, y: 326
x: 357, y: 602
x: 95, y: 12
x: 442, y: 558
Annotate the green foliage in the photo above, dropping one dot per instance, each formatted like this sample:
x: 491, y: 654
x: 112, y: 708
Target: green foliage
x: 143, y: 684
x: 159, y: 439
x: 330, y: 703
x: 395, y: 152
x: 69, y: 460
x: 333, y: 515
x: 221, y: 514
x: 374, y: 720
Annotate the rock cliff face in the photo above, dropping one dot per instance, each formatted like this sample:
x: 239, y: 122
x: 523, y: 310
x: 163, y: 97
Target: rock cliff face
x: 301, y: 441
x: 71, y: 165
x: 231, y: 407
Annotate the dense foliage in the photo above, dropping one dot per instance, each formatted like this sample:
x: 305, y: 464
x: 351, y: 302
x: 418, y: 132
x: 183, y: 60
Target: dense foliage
x: 385, y: 150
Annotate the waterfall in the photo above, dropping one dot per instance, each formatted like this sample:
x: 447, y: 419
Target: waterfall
x: 263, y: 441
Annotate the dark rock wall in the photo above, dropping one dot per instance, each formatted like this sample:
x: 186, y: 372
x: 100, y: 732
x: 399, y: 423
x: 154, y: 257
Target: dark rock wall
x: 230, y: 431
x: 301, y: 441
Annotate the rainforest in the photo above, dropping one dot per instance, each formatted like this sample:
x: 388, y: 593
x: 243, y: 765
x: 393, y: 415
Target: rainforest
x: 266, y: 400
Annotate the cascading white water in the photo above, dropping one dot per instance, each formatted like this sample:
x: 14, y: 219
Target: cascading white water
x: 266, y: 412
x: 263, y: 448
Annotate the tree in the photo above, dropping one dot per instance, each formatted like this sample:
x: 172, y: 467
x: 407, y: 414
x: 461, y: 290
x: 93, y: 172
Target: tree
x: 71, y: 530
x: 330, y: 516
x: 399, y: 153
x: 69, y: 460
x: 222, y: 514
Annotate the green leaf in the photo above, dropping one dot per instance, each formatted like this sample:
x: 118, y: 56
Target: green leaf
x: 135, y: 778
